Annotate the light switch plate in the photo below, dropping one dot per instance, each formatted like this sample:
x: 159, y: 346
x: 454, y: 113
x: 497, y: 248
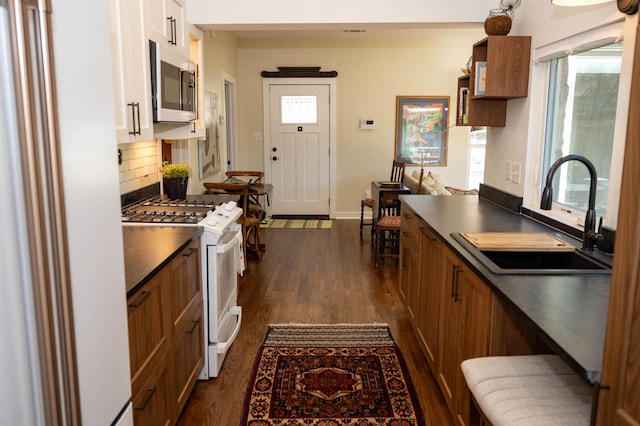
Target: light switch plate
x: 515, y: 173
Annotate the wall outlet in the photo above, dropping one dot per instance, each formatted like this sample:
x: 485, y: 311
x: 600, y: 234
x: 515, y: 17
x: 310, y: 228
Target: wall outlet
x: 515, y: 173
x: 508, y: 176
x: 257, y: 136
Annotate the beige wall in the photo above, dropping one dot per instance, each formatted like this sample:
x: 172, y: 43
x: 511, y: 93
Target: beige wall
x: 370, y: 76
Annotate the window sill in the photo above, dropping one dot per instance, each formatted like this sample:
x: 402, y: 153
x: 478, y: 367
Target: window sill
x: 568, y: 225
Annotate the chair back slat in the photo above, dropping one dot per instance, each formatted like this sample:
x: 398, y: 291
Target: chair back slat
x: 397, y: 172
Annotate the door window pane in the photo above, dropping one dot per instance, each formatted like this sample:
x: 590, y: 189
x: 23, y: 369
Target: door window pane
x: 581, y: 112
x: 299, y: 109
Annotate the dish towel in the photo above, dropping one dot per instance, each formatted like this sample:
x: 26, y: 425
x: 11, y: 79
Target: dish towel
x: 239, y: 255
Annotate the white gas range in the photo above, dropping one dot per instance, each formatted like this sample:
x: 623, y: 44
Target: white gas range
x: 221, y: 261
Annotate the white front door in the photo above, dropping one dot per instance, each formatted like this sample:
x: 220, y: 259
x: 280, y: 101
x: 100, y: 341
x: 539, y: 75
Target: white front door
x: 299, y: 151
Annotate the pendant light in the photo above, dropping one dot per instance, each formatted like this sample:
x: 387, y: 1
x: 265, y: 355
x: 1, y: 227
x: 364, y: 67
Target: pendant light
x: 578, y: 2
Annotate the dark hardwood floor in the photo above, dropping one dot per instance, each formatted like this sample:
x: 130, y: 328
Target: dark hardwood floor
x: 312, y: 276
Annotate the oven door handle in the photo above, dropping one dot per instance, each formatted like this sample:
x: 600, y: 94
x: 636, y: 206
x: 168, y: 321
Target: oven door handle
x: 223, y: 347
x: 223, y: 248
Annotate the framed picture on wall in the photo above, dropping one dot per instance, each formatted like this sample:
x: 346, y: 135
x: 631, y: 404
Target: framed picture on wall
x: 209, y: 148
x: 421, y: 130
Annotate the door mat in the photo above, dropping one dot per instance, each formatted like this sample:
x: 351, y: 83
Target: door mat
x: 296, y: 223
x: 329, y: 375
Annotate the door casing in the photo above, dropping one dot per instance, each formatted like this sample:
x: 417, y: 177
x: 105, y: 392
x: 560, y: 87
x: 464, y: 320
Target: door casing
x: 266, y: 108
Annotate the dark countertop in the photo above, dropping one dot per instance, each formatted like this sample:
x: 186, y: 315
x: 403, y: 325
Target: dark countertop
x: 147, y: 249
x: 568, y: 312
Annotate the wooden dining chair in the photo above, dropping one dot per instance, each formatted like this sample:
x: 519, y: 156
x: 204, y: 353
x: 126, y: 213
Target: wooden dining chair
x: 387, y: 228
x: 397, y: 175
x: 249, y: 176
x: 250, y: 224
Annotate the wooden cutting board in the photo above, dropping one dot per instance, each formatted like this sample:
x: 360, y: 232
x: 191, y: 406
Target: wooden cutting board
x: 516, y: 241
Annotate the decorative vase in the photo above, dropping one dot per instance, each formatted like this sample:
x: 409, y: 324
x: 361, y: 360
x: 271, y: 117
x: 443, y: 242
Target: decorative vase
x: 498, y: 22
x: 175, y: 188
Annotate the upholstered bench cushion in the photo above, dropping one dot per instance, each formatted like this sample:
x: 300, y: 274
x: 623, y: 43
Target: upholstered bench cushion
x: 535, y: 390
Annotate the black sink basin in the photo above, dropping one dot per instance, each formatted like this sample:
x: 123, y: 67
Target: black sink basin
x: 537, y: 262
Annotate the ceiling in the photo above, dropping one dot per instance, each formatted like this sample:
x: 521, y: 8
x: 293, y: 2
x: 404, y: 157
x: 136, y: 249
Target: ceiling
x: 337, y: 19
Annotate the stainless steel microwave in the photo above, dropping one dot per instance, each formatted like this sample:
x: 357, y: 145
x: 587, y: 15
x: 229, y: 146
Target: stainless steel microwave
x: 173, y: 86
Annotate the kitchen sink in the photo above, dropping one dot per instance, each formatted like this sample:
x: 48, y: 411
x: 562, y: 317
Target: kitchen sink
x: 536, y: 262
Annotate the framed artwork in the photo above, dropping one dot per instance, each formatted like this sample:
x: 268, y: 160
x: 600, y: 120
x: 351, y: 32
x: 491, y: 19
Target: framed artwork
x: 209, y: 148
x: 481, y: 78
x: 421, y: 130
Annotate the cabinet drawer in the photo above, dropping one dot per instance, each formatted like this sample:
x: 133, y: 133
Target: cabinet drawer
x: 189, y: 351
x: 184, y: 282
x: 147, y: 333
x: 151, y: 403
x: 409, y: 229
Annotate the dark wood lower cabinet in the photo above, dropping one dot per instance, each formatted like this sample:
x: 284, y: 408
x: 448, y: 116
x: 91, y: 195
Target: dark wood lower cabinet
x: 166, y: 339
x: 151, y: 402
x: 454, y: 313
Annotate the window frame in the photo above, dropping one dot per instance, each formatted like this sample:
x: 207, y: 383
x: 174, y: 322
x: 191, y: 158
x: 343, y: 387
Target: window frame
x: 542, y: 56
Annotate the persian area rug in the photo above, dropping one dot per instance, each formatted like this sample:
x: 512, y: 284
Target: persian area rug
x: 296, y: 223
x: 330, y: 375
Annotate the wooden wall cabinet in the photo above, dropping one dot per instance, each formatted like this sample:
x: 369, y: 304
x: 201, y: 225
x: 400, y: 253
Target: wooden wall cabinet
x: 499, y: 71
x: 166, y: 339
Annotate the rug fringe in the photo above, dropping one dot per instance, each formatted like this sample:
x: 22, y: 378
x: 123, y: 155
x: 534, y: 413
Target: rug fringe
x: 342, y: 324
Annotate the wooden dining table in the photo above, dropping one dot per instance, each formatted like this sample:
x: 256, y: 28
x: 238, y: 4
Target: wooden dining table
x: 380, y: 187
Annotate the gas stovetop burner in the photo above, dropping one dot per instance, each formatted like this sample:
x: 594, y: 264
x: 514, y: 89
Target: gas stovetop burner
x: 190, y: 202
x: 167, y: 212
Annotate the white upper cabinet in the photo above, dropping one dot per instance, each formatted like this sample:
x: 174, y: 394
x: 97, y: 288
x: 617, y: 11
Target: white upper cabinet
x: 166, y: 24
x: 130, y: 51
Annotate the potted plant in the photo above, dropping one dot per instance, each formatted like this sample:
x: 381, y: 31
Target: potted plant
x: 174, y: 179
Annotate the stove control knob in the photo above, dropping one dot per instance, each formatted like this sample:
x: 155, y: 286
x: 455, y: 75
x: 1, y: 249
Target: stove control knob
x: 230, y: 206
x: 213, y: 221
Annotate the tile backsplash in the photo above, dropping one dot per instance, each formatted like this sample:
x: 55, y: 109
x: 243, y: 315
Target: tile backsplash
x: 139, y: 166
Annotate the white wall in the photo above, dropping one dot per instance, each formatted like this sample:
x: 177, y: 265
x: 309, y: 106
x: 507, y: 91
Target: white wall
x: 371, y: 73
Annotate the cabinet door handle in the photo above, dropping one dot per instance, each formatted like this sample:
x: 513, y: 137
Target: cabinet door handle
x: 143, y: 296
x: 193, y: 327
x: 456, y: 297
x: 175, y: 31
x: 189, y: 253
x: 193, y: 127
x: 172, y: 29
x: 172, y: 39
x: 135, y: 106
x: 146, y: 399
x: 404, y: 258
x: 454, y: 277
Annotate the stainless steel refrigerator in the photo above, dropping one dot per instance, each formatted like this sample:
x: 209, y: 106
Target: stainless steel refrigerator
x: 64, y: 355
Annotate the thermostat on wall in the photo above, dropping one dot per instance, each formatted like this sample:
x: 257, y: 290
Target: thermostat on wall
x: 366, y: 124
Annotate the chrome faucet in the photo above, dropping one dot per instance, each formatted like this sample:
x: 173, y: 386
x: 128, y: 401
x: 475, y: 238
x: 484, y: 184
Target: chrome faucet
x: 589, y: 234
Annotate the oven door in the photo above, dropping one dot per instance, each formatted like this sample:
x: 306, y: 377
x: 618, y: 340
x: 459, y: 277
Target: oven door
x: 222, y: 263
